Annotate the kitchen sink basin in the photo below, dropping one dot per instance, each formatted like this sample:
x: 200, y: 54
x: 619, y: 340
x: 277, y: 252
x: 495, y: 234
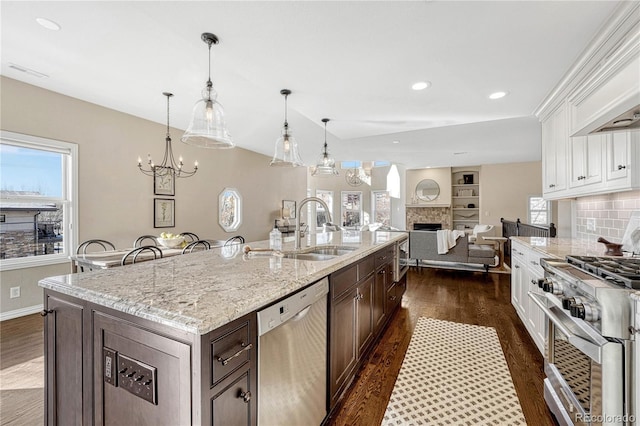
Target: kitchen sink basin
x: 318, y: 253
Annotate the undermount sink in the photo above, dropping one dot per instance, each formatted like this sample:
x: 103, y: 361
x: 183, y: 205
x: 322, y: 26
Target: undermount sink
x: 318, y: 253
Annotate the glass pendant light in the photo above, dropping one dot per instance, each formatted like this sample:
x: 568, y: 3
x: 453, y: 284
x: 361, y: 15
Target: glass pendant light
x: 207, y: 128
x: 327, y: 165
x: 286, y: 154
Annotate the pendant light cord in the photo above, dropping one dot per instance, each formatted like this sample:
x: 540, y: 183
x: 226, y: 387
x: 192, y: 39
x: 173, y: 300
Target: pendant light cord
x: 168, y: 134
x: 209, y: 81
x: 286, y: 124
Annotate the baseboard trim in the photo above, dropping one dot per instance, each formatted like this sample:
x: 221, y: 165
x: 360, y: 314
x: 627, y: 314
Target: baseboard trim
x: 17, y: 313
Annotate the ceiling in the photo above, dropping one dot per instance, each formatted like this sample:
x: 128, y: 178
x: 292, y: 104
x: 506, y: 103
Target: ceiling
x: 351, y: 61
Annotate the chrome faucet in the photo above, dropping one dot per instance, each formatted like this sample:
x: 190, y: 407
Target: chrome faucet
x: 302, y: 203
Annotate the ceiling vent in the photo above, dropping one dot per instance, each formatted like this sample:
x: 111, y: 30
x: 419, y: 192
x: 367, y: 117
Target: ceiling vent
x: 27, y: 70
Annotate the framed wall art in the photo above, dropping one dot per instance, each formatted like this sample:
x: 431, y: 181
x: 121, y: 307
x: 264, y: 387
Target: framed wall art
x: 288, y: 209
x: 164, y: 181
x: 164, y: 210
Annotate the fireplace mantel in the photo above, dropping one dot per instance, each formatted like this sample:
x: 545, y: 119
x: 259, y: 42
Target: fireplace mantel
x: 427, y: 205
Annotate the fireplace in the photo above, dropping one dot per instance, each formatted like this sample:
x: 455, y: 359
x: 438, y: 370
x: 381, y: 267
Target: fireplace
x: 427, y: 226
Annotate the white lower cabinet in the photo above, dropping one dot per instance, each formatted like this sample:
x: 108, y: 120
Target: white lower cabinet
x: 525, y: 272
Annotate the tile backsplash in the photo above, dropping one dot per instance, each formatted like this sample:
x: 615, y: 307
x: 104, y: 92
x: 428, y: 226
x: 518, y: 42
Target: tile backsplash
x: 605, y: 215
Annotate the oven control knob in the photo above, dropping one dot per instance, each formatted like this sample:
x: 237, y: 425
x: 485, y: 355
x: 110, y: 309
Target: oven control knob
x: 577, y: 310
x: 552, y: 288
x: 586, y: 311
x: 567, y: 302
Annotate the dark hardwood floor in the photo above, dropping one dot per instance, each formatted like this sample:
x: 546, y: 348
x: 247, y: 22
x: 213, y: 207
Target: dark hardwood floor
x: 22, y: 371
x: 466, y: 297
x: 460, y: 296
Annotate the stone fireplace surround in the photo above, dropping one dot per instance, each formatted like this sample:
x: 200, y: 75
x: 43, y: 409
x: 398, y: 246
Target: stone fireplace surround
x: 441, y: 215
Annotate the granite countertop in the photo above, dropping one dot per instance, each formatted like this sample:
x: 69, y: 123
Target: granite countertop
x: 561, y: 247
x: 202, y: 291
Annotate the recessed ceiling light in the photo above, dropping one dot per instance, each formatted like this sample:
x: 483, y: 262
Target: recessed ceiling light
x: 48, y: 24
x: 421, y: 85
x: 498, y: 95
x: 395, y: 141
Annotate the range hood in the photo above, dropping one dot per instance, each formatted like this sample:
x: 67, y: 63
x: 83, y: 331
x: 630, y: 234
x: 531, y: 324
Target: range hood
x: 629, y: 120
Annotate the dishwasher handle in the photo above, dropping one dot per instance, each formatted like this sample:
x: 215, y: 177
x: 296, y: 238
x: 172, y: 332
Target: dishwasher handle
x: 303, y: 313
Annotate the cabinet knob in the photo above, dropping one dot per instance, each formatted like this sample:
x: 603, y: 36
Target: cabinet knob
x: 246, y: 396
x: 620, y: 167
x: 517, y: 266
x: 552, y: 185
x: 46, y: 312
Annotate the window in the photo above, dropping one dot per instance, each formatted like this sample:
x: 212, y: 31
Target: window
x: 351, y: 209
x: 539, y: 211
x: 230, y: 214
x: 38, y: 200
x: 321, y: 215
x: 381, y: 207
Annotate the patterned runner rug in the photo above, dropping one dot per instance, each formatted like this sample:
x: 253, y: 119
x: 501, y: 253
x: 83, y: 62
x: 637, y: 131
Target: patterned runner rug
x: 453, y: 374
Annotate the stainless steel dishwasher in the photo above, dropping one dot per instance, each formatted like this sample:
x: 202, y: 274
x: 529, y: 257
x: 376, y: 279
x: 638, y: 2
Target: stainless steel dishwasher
x: 292, y: 359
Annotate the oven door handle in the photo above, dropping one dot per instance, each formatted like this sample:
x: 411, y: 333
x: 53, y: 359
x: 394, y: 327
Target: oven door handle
x: 592, y: 350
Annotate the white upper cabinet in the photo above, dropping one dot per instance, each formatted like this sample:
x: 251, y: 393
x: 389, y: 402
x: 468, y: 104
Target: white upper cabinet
x: 602, y: 84
x: 585, y: 167
x: 554, y: 151
x: 622, y: 160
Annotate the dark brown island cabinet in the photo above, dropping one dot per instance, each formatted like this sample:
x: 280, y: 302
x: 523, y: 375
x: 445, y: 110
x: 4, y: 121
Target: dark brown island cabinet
x: 94, y: 375
x: 362, y: 299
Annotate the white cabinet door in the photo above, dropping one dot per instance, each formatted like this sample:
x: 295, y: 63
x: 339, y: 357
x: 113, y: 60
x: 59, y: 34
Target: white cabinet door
x: 585, y: 160
x: 617, y: 155
x: 554, y: 151
x: 537, y: 323
x: 518, y: 276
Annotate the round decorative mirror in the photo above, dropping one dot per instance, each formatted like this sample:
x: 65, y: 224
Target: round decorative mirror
x: 427, y: 190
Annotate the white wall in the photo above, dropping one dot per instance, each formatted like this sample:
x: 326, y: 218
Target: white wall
x: 116, y: 200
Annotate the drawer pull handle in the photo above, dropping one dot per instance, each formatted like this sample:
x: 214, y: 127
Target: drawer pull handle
x: 245, y: 347
x: 535, y: 263
x: 46, y: 312
x: 621, y: 167
x: 392, y: 298
x: 246, y: 396
x: 517, y: 266
x: 382, y: 271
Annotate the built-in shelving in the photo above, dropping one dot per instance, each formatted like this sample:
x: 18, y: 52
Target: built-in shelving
x: 465, y: 196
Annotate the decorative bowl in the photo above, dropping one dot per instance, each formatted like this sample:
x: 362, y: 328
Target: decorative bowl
x: 171, y: 242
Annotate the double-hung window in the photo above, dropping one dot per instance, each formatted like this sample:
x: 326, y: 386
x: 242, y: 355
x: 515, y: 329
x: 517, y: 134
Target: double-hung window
x: 38, y: 200
x: 539, y: 211
x: 381, y: 207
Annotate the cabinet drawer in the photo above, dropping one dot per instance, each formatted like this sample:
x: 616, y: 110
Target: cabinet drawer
x: 230, y: 351
x: 366, y: 266
x: 518, y: 251
x: 342, y: 280
x: 383, y: 256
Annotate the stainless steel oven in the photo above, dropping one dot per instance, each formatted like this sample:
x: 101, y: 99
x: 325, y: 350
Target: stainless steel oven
x: 401, y: 265
x: 588, y: 348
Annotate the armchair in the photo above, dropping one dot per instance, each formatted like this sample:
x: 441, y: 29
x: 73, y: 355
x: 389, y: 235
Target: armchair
x: 478, y: 234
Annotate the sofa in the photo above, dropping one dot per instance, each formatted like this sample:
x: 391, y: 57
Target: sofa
x: 423, y: 245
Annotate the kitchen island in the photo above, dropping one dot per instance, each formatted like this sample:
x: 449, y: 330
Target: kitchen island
x: 172, y: 341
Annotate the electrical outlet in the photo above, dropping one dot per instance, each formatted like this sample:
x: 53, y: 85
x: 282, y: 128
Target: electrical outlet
x: 591, y: 224
x: 14, y: 292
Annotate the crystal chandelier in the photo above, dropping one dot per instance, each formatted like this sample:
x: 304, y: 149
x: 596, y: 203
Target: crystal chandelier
x: 327, y: 165
x: 168, y: 166
x: 207, y: 128
x: 286, y: 154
